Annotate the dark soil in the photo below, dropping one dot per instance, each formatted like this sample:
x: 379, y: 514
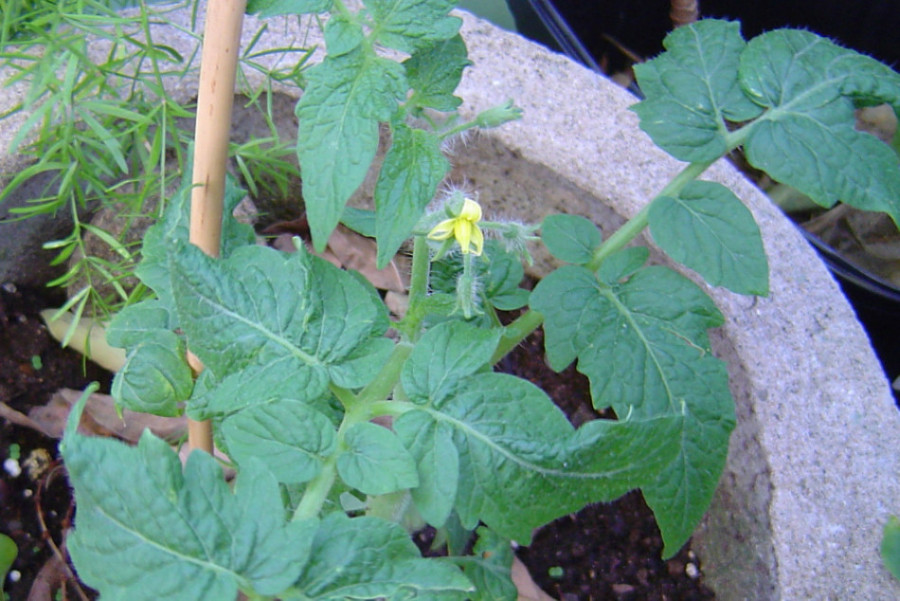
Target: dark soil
x: 607, y: 551
x: 32, y: 368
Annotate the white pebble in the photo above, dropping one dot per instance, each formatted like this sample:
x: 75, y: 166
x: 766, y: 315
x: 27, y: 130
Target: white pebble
x: 14, y: 575
x: 692, y: 570
x: 11, y: 466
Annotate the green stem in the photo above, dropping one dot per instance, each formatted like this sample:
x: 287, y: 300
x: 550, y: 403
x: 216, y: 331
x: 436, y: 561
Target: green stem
x: 516, y: 332
x: 418, y: 283
x: 346, y: 397
x: 381, y: 387
x: 317, y: 490
x: 634, y: 226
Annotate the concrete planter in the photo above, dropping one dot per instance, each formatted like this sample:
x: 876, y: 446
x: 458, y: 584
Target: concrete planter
x: 813, y: 469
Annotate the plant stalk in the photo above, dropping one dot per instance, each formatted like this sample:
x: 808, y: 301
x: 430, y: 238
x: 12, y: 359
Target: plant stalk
x: 218, y: 68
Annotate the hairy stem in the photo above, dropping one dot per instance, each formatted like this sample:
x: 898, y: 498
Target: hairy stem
x: 634, y: 226
x: 516, y: 332
x: 317, y: 490
x: 381, y: 387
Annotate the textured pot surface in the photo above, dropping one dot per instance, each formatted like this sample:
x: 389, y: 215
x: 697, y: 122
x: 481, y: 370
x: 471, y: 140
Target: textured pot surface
x: 812, y: 473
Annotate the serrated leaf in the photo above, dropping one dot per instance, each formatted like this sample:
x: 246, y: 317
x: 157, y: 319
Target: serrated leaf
x: 644, y: 347
x: 342, y: 35
x: 708, y: 229
x: 514, y: 476
x: 273, y: 8
x: 147, y: 530
x: 345, y: 99
x: 501, y: 282
x: 489, y: 567
x: 252, y: 385
x: 437, y: 463
x: 623, y: 264
x: 175, y: 224
x: 155, y: 377
x: 292, y: 438
x: 499, y: 272
x: 408, y: 25
x: 806, y: 139
x: 443, y: 357
x: 691, y: 90
x: 375, y: 462
x: 890, y: 546
x: 413, y: 168
x: 369, y: 558
x: 570, y: 238
x: 260, y: 306
x: 434, y: 72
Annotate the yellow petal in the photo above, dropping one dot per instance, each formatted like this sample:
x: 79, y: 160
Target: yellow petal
x: 443, y: 230
x: 477, y: 240
x: 462, y: 231
x: 471, y: 211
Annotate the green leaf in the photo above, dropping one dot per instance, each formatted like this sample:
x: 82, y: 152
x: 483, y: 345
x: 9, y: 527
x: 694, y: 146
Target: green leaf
x: 501, y: 282
x: 499, y: 273
x: 342, y: 35
x: 8, y: 553
x: 691, y: 90
x: 369, y: 558
x: 434, y: 72
x: 375, y: 462
x: 360, y: 221
x: 408, y: 25
x: 437, y: 463
x: 514, y: 476
x: 268, y: 382
x: 174, y: 226
x: 291, y: 437
x: 413, y: 168
x: 621, y: 265
x: 570, y: 238
x: 443, y: 357
x: 489, y: 567
x: 890, y: 546
x: 147, y: 530
x: 708, y: 229
x: 345, y: 99
x: 644, y: 346
x: 260, y: 306
x: 273, y: 8
x: 806, y: 139
x: 155, y: 377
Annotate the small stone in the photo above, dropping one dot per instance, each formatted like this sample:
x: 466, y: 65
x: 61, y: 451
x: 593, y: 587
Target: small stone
x: 692, y: 571
x: 15, y: 575
x: 12, y: 467
x: 622, y: 589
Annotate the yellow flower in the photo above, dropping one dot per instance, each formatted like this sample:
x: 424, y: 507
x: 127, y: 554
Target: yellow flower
x: 464, y: 228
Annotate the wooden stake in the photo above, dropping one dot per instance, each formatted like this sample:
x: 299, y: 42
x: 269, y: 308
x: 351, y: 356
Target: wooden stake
x: 218, y: 68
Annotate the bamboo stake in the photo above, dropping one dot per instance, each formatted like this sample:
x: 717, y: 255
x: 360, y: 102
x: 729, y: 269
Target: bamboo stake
x: 218, y: 66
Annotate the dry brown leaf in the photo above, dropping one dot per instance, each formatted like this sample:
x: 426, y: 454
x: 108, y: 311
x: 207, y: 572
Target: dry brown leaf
x: 48, y: 579
x: 528, y: 590
x: 100, y: 418
x: 345, y: 249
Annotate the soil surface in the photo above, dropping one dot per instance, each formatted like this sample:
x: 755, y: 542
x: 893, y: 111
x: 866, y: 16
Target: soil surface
x: 607, y: 551
x: 36, y: 504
